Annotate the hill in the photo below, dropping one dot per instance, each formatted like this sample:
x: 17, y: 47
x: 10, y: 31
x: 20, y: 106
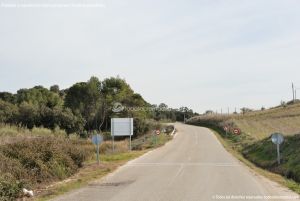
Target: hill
x: 261, y: 124
x: 258, y: 124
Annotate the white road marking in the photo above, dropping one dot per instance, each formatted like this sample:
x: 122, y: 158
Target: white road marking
x: 176, y: 175
x: 186, y: 164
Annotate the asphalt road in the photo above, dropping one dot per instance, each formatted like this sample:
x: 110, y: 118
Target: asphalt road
x: 193, y: 166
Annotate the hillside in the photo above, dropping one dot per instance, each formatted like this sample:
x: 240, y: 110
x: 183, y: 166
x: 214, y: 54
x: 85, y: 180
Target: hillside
x: 262, y: 123
x: 259, y: 124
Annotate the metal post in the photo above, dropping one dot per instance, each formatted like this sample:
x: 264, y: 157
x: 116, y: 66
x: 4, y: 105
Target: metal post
x: 131, y: 132
x: 293, y: 92
x: 98, y: 159
x: 278, y: 153
x: 112, y: 134
x: 113, y: 142
x: 130, y: 142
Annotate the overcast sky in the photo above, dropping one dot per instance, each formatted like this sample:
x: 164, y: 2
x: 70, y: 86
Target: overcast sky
x: 204, y: 54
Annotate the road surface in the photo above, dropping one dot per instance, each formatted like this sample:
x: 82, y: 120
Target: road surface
x: 193, y: 166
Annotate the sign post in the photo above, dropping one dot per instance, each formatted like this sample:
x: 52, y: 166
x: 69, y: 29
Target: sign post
x: 97, y: 139
x: 277, y: 138
x: 157, y: 132
x: 130, y: 139
x: 226, y: 129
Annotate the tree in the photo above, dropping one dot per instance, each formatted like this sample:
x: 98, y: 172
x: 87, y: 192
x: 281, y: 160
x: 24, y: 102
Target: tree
x: 28, y: 115
x: 116, y: 90
x: 8, y: 112
x: 84, y: 98
x: 209, y: 112
x: 38, y: 96
x: 245, y: 110
x: 8, y: 97
x: 68, y: 121
x: 55, y: 89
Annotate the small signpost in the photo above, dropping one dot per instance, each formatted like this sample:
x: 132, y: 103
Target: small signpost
x: 97, y: 139
x: 236, y: 131
x: 226, y: 128
x: 277, y: 138
x: 157, y: 132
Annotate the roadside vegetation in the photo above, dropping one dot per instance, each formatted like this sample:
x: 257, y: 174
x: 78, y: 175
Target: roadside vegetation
x: 45, y: 134
x: 38, y: 160
x: 29, y: 163
x: 254, y: 143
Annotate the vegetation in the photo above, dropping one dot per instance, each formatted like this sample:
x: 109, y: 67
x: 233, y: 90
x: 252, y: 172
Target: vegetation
x: 47, y: 156
x: 263, y: 153
x: 40, y: 160
x: 254, y: 143
x: 82, y: 108
x: 44, y: 133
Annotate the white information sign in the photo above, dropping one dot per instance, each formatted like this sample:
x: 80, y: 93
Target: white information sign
x: 122, y: 126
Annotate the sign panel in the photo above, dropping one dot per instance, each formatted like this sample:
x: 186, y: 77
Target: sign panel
x: 122, y: 126
x: 277, y: 138
x: 236, y: 131
x: 97, y: 139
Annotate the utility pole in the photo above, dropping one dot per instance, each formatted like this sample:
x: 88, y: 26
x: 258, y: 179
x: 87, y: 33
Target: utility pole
x: 228, y: 111
x: 296, y: 93
x: 293, y: 92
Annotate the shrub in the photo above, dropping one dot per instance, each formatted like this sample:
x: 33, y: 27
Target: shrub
x: 10, y: 188
x: 39, y: 160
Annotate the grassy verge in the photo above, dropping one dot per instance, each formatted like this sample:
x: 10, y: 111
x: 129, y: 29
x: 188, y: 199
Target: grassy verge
x: 264, y: 154
x: 109, y: 163
x: 229, y: 146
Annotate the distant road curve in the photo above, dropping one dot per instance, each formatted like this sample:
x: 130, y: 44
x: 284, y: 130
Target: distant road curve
x: 193, y: 166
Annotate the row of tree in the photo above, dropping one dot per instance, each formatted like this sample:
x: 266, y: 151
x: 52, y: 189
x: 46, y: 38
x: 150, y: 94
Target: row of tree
x: 85, y: 106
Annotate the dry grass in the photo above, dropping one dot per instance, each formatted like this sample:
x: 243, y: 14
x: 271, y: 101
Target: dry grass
x: 261, y: 124
x: 11, y: 134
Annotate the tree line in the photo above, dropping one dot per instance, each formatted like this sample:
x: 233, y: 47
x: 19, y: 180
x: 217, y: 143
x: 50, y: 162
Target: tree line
x: 84, y: 107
